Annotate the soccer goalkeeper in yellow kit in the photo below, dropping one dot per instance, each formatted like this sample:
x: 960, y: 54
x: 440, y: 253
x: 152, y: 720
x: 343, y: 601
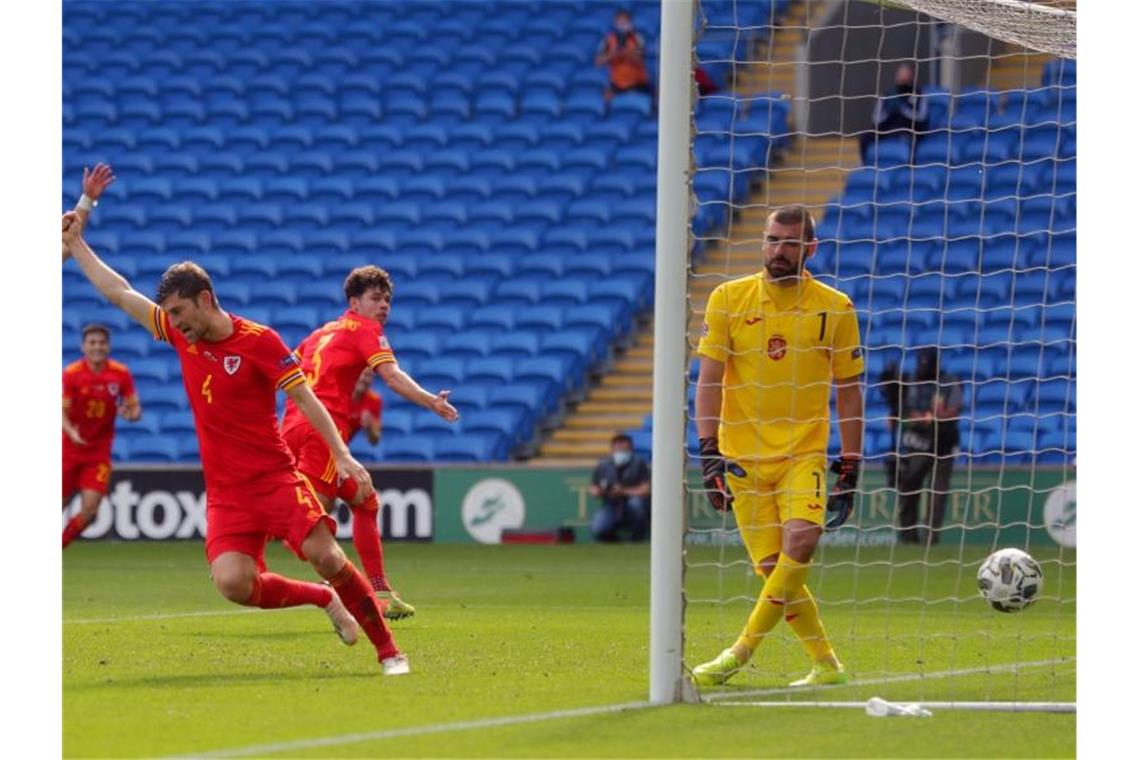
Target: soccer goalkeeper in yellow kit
x: 773, y: 345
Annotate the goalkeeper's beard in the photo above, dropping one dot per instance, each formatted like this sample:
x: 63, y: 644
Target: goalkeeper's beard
x: 779, y: 268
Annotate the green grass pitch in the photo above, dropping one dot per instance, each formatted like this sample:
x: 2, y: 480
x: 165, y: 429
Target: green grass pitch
x: 155, y: 663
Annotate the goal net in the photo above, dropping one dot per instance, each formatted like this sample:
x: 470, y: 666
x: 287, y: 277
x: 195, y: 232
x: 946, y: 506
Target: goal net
x: 951, y: 228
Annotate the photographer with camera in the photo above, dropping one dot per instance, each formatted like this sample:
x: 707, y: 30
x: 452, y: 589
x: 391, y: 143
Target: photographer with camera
x: 623, y: 50
x: 621, y: 481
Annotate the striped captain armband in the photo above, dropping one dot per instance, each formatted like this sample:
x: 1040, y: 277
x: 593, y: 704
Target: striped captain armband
x: 158, y: 324
x: 291, y: 379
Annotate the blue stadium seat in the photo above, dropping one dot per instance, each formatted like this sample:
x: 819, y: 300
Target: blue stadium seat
x: 418, y: 293
x: 397, y: 421
x: 415, y: 345
x: 532, y: 400
x: 584, y: 346
x: 471, y: 447
x: 468, y: 293
x: 474, y: 344
x: 441, y: 318
x: 504, y: 421
x: 514, y: 345
x: 470, y: 397
x: 538, y: 318
x: 301, y: 319
x: 564, y: 292
x: 154, y: 448
x: 428, y: 424
x: 132, y: 343
x: 400, y: 447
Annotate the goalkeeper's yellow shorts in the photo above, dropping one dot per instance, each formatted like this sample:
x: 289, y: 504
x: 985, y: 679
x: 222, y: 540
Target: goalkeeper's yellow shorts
x: 772, y: 493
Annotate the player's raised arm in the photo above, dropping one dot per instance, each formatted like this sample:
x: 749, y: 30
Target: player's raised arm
x: 310, y: 406
x: 95, y: 181
x: 402, y: 383
x: 107, y: 281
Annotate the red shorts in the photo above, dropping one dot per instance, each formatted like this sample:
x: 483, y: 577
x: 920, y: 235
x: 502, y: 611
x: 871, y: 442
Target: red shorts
x: 243, y: 523
x: 79, y: 475
x: 314, y: 459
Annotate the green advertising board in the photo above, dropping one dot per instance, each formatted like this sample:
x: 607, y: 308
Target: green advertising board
x: 1009, y: 506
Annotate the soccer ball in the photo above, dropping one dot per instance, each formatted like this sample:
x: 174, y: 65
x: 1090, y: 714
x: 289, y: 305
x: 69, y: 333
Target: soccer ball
x: 1010, y: 580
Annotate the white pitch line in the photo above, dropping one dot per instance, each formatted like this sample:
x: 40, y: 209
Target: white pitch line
x: 1018, y: 707
x: 904, y: 678
x: 438, y: 728
x: 164, y: 616
x: 247, y: 611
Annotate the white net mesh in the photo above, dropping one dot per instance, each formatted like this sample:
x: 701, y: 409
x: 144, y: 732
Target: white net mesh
x: 1051, y: 28
x: 956, y: 233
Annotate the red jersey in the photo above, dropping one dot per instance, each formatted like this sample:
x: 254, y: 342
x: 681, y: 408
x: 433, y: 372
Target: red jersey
x: 333, y: 357
x: 91, y: 400
x: 232, y: 385
x: 370, y: 402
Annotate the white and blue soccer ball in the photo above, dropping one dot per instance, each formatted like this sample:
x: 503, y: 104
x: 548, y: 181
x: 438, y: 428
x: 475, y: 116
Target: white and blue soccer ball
x: 1010, y: 580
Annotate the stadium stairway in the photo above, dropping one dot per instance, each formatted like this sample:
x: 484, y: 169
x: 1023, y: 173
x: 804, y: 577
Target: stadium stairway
x: 622, y: 400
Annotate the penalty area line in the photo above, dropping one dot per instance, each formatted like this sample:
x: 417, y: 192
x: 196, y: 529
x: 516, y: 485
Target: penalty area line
x: 163, y: 616
x: 437, y: 728
x: 251, y: 610
x: 903, y: 678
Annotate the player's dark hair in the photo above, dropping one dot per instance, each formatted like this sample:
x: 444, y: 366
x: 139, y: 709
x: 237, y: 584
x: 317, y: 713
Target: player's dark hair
x: 363, y: 279
x: 185, y: 280
x: 95, y: 328
x: 796, y: 215
x: 621, y: 438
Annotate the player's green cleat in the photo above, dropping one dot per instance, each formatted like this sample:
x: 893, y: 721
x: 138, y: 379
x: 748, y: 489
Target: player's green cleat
x: 823, y: 673
x: 393, y: 606
x: 718, y: 671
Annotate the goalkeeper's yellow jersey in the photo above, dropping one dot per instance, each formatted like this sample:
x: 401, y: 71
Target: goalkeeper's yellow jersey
x: 781, y: 348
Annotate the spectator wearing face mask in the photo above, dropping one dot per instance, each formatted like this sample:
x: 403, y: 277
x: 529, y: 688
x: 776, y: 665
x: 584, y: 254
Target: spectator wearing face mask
x: 928, y: 442
x: 621, y: 481
x: 904, y: 114
x: 623, y: 50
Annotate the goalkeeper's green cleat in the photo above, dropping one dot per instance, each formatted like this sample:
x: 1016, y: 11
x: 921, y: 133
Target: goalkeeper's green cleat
x: 823, y: 673
x: 393, y: 606
x: 718, y: 671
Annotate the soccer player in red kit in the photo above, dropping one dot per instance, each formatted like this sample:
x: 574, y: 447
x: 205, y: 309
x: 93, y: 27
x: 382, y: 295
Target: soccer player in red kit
x: 95, y: 389
x: 367, y: 406
x: 232, y: 369
x: 333, y: 357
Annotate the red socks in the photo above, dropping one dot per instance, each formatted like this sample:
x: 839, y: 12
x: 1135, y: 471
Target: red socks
x: 354, y: 591
x: 366, y: 539
x: 271, y: 591
x: 74, y: 527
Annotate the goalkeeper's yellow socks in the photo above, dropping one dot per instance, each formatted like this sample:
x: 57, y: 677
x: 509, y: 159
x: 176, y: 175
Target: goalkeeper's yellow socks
x: 782, y: 586
x: 802, y: 614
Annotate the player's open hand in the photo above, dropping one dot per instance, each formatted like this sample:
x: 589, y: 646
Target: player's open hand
x: 348, y: 467
x: 441, y: 406
x: 96, y: 180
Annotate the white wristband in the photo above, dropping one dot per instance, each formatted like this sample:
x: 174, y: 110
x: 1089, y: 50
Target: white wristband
x: 86, y: 203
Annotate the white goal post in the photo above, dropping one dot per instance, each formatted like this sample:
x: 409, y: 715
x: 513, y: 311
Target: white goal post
x: 1047, y: 26
x: 670, y: 355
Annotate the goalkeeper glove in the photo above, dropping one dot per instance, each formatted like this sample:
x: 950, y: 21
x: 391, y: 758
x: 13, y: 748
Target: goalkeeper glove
x: 713, y: 467
x: 841, y: 500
